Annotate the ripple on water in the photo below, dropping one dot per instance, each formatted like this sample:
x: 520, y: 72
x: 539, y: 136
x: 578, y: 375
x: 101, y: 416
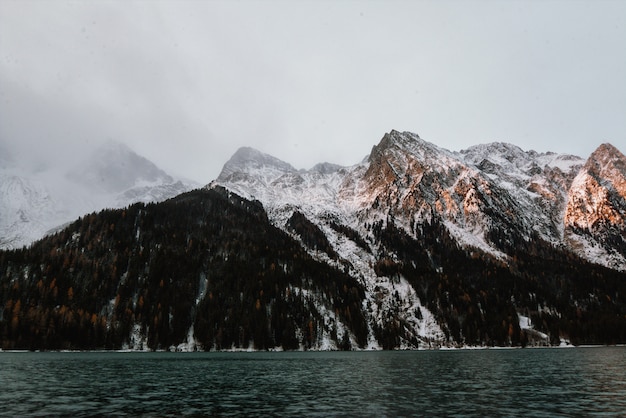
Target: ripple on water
x: 529, y: 382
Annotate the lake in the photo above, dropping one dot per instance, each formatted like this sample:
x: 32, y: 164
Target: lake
x: 515, y: 382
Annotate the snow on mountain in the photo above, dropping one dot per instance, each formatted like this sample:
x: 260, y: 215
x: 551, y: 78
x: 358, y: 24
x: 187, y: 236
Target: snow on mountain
x: 25, y: 205
x: 490, y: 197
x: 413, y: 180
x: 280, y: 187
x: 114, y: 168
x: 538, y: 183
x: 595, y: 219
x: 324, y: 194
x: 34, y: 202
x: 413, y: 247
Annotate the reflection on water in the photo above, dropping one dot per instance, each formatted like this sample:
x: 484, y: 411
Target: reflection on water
x: 529, y: 382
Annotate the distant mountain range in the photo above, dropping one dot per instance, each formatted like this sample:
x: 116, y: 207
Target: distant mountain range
x: 489, y: 196
x: 34, y: 202
x: 414, y: 247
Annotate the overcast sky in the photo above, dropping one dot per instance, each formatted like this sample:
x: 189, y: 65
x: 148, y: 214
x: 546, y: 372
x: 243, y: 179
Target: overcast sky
x: 186, y: 83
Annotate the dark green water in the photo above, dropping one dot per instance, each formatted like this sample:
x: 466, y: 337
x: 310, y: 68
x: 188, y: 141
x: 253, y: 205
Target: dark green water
x: 529, y: 382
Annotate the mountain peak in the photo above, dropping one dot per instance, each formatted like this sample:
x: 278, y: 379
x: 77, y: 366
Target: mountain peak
x: 606, y: 155
x: 399, y: 139
x: 395, y: 141
x: 490, y: 195
x: 34, y: 202
x: 607, y: 148
x: 253, y: 155
x: 326, y: 168
x: 114, y: 167
x: 247, y: 159
x: 503, y: 148
x: 608, y: 163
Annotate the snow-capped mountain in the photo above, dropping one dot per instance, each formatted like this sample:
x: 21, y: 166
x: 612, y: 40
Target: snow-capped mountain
x: 33, y: 202
x: 489, y: 195
x: 26, y: 206
x: 538, y: 182
x: 114, y: 168
x: 413, y: 247
x: 492, y: 199
x: 595, y: 220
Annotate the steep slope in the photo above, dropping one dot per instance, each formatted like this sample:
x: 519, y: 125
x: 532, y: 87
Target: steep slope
x: 494, y: 200
x: 540, y: 182
x: 317, y: 207
x: 414, y: 181
x: 25, y: 205
x: 255, y: 175
x: 204, y: 270
x: 491, y: 197
x: 248, y: 163
x: 495, y: 197
x: 595, y: 219
x: 34, y: 202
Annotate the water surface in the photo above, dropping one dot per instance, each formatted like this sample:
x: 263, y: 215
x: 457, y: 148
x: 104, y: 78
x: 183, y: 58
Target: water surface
x: 522, y: 382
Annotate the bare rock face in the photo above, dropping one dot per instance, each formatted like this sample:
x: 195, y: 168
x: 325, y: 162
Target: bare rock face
x: 493, y: 196
x: 413, y: 181
x: 595, y: 217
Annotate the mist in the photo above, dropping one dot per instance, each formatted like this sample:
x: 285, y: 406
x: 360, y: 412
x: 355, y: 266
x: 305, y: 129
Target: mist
x: 185, y: 84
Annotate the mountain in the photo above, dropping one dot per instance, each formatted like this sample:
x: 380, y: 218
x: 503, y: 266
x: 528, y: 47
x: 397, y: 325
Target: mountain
x: 114, y: 168
x: 33, y: 202
x: 203, y: 270
x: 594, y: 221
x: 414, y: 247
x: 494, y: 199
x: 489, y: 196
x: 27, y: 209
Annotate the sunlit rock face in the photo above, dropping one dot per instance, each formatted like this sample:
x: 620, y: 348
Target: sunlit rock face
x: 415, y: 181
x: 492, y: 196
x: 595, y: 220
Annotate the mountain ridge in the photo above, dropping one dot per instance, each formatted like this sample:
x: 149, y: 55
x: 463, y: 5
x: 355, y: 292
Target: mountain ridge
x: 473, y: 189
x: 413, y: 247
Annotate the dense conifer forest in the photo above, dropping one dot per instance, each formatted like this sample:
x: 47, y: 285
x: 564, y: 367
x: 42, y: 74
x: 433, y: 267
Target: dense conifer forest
x: 479, y: 297
x: 146, y: 266
x: 211, y: 262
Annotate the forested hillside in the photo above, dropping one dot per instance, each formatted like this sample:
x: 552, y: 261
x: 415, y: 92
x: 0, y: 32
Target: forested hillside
x: 479, y: 298
x: 207, y: 261
x: 206, y: 270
